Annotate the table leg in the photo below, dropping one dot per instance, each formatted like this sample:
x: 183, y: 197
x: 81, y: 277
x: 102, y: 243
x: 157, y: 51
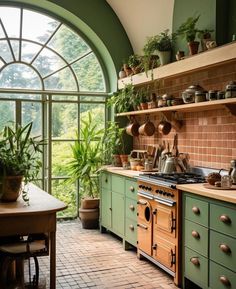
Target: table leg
x: 52, y: 260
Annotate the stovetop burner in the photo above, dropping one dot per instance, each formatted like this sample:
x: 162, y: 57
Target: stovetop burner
x: 175, y: 178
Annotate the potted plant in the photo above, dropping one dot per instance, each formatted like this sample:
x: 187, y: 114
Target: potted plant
x: 113, y: 144
x: 135, y: 63
x: 189, y: 31
x: 122, y: 99
x: 87, y: 159
x: 142, y: 97
x: 162, y: 45
x: 19, y: 160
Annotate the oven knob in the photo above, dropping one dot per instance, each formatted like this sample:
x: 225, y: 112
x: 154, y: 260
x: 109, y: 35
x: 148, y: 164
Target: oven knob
x: 143, y: 187
x: 160, y: 192
x: 157, y: 191
x: 140, y: 186
x: 168, y: 194
x: 149, y: 188
x: 164, y: 193
x: 173, y: 187
x: 172, y: 195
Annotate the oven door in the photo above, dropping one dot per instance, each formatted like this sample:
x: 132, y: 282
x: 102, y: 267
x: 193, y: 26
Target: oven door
x: 144, y: 230
x: 164, y: 252
x: 164, y: 217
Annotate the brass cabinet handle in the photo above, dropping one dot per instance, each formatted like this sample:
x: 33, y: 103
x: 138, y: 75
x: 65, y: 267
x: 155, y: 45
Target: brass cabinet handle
x: 225, y: 248
x: 154, y: 247
x: 224, y: 280
x: 195, y: 261
x: 225, y: 219
x: 131, y: 227
x: 131, y: 189
x: 196, y: 210
x: 110, y: 209
x: 131, y: 207
x: 195, y: 235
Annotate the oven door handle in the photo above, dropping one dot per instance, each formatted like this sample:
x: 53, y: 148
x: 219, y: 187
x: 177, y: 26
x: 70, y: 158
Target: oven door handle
x: 165, y: 202
x: 142, y: 226
x: 147, y: 196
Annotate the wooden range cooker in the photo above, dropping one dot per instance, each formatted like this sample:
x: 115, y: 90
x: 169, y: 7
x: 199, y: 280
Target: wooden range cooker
x: 159, y: 219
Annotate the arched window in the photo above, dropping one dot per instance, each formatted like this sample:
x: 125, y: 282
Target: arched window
x: 49, y: 75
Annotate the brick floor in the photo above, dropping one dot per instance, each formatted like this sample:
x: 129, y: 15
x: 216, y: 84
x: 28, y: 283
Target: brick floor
x: 89, y: 259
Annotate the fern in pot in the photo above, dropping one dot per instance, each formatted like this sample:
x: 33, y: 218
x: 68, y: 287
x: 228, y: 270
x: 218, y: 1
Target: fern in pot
x: 19, y: 161
x: 87, y: 159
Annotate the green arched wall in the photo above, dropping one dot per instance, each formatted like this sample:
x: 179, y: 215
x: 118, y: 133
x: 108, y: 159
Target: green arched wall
x: 98, y: 22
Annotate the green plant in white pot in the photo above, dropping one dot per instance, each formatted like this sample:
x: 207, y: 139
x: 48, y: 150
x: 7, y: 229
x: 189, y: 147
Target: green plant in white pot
x: 161, y: 45
x: 19, y: 160
x: 87, y: 159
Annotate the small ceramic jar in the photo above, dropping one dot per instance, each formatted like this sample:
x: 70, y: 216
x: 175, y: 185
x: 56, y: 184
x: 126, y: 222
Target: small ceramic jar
x: 230, y: 90
x: 212, y: 95
x: 200, y: 96
x: 220, y: 95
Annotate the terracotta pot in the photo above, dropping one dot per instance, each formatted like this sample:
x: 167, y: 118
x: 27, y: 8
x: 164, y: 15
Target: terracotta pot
x: 124, y: 159
x: 193, y: 47
x: 89, y: 218
x: 144, y: 105
x: 89, y: 203
x: 11, y: 187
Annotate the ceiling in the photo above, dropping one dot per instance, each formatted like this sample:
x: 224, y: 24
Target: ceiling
x: 143, y: 18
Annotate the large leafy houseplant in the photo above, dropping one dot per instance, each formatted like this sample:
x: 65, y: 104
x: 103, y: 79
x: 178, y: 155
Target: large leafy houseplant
x: 19, y: 159
x: 87, y: 158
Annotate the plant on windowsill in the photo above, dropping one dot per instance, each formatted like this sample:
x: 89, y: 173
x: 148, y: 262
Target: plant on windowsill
x: 19, y: 161
x: 204, y: 35
x: 189, y: 31
x: 113, y: 144
x: 87, y: 159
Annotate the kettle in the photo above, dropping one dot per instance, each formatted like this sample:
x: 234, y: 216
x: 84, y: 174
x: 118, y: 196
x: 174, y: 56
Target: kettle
x: 170, y: 165
x: 232, y: 171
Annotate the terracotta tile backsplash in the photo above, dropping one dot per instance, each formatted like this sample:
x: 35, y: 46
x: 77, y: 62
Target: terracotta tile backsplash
x: 208, y: 136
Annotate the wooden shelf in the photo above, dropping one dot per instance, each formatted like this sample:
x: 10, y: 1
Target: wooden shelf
x: 229, y: 103
x: 209, y: 58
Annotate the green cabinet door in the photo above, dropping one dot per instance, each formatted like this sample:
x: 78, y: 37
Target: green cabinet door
x: 106, y: 208
x: 221, y: 278
x: 118, y: 214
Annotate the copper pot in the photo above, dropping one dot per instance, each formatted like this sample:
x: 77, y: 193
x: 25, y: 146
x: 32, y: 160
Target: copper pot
x: 147, y: 129
x: 132, y: 128
x: 164, y: 127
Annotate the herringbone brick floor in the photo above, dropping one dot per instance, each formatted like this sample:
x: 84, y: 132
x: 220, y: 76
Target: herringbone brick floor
x: 89, y: 259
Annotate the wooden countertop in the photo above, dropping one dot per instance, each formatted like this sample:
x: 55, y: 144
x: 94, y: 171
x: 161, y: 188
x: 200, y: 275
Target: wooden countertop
x: 199, y: 189
x: 121, y: 171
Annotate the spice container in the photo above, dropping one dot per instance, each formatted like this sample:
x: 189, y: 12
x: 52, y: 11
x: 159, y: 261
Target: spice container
x: 212, y: 95
x: 220, y: 95
x: 230, y: 90
x: 200, y: 96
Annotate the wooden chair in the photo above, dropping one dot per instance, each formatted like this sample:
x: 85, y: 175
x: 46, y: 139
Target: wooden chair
x: 16, y: 253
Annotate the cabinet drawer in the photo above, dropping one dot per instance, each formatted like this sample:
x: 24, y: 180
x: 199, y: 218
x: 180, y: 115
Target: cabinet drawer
x: 106, y: 180
x: 131, y: 231
x: 131, y: 209
x: 131, y: 189
x: 221, y: 278
x: 196, y: 211
x: 196, y: 237
x: 117, y: 184
x: 196, y: 268
x: 223, y: 250
x: 223, y: 219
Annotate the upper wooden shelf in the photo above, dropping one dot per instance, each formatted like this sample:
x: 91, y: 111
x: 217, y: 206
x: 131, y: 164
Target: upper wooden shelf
x: 229, y: 103
x: 196, y: 62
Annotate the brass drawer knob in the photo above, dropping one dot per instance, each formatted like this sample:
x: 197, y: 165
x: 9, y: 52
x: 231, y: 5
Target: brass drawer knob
x: 106, y: 180
x: 154, y: 247
x: 131, y: 189
x: 224, y: 280
x: 225, y: 219
x: 195, y: 261
x: 196, y: 210
x: 225, y: 248
x: 131, y: 227
x: 195, y: 235
x: 131, y: 207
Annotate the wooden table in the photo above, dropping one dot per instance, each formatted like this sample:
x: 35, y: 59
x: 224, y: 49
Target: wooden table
x: 38, y: 217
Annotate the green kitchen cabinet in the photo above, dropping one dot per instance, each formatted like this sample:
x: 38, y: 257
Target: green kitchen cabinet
x: 209, y: 242
x: 118, y: 209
